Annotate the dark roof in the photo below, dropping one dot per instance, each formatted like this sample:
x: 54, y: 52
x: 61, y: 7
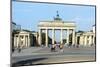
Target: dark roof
x: 13, y: 23
x: 94, y: 25
x: 33, y: 31
x: 26, y: 30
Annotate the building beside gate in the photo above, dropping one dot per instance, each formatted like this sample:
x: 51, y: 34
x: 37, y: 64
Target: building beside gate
x: 86, y: 38
x: 14, y: 28
x: 25, y: 38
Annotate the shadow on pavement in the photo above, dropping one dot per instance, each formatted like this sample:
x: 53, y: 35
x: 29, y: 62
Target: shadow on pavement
x: 27, y: 62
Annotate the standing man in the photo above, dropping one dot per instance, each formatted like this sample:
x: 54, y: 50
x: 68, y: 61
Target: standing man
x: 61, y: 47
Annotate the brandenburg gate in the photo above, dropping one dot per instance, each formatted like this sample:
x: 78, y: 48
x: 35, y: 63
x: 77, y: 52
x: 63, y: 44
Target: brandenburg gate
x: 57, y: 24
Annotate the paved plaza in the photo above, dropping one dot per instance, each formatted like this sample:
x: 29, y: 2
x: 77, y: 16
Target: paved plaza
x: 43, y: 55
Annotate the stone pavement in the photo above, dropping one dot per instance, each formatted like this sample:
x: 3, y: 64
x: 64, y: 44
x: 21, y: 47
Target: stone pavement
x: 26, y: 51
x: 65, y: 58
x: 46, y: 50
x: 44, y: 55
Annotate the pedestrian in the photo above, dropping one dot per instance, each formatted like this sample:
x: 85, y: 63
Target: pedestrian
x: 61, y: 48
x: 53, y: 48
x: 77, y: 46
x: 74, y: 45
x: 19, y: 49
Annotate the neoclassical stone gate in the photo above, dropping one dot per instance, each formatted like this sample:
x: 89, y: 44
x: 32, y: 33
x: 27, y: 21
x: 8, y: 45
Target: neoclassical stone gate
x: 57, y: 24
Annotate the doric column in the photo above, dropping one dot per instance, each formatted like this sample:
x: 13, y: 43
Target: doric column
x: 15, y: 41
x: 53, y: 36
x: 61, y: 36
x: 76, y: 39
x: 85, y: 42
x: 39, y: 37
x: 18, y: 41
x: 36, y: 39
x: 90, y: 40
x: 93, y: 39
x: 73, y: 36
x: 67, y: 39
x: 28, y: 40
x: 46, y: 37
x: 24, y: 45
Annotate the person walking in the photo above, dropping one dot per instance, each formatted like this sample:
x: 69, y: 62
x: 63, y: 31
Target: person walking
x: 53, y: 48
x: 61, y: 48
x: 19, y: 49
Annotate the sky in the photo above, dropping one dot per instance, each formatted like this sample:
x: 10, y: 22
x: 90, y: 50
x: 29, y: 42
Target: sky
x: 28, y: 14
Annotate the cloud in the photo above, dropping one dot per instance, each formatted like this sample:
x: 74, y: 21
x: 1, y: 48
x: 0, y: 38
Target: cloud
x: 83, y: 19
x: 77, y: 18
